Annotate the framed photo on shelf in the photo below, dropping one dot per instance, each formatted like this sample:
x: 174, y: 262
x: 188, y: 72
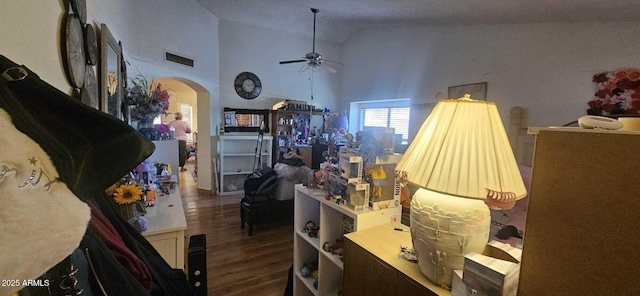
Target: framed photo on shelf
x: 478, y: 91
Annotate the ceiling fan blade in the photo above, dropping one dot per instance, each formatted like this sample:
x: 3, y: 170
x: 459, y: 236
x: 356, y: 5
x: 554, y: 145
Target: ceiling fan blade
x: 335, y: 62
x: 292, y: 61
x: 328, y: 68
x: 304, y: 68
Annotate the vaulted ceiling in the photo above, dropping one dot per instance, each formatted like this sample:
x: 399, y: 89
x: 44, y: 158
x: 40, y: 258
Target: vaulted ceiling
x: 340, y: 19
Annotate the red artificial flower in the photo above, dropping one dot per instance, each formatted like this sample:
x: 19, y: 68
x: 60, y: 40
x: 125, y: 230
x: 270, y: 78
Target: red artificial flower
x: 634, y: 75
x: 601, y: 77
x: 595, y: 104
x: 608, y: 107
x: 603, y: 93
x: 617, y: 91
x: 609, y: 85
x: 620, y: 74
x: 625, y: 83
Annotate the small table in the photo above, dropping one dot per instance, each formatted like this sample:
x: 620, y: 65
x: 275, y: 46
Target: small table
x: 167, y: 225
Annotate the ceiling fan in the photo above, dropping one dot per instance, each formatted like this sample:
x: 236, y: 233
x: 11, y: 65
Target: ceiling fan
x: 314, y: 60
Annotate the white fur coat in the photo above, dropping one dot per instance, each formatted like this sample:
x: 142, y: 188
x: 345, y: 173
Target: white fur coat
x: 41, y: 220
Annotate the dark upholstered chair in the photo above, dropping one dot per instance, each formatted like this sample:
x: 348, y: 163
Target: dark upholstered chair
x: 257, y: 205
x: 278, y: 205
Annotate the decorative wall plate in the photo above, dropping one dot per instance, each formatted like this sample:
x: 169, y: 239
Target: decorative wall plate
x: 89, y: 93
x: 91, y: 45
x: 74, y: 47
x: 80, y: 9
x: 591, y: 121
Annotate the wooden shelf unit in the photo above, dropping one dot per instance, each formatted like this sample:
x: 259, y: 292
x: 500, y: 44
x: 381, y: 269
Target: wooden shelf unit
x: 285, y: 133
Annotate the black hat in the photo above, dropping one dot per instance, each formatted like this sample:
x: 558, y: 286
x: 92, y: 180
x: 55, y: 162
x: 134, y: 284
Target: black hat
x: 90, y: 149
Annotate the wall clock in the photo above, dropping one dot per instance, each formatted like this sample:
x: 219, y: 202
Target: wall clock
x: 80, y: 9
x: 89, y: 93
x: 90, y: 45
x: 248, y: 85
x: 74, y: 49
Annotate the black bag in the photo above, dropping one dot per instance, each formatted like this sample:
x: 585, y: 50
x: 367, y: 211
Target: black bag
x: 260, y: 185
x: 90, y: 150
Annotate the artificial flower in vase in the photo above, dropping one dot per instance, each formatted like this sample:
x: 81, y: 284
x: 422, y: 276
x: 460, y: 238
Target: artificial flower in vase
x: 147, y: 101
x: 618, y: 92
x: 128, y: 197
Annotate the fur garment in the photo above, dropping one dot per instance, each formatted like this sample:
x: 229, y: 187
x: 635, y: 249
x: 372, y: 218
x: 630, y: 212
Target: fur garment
x: 41, y: 220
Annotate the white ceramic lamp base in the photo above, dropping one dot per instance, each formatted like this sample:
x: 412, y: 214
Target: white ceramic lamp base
x: 443, y: 229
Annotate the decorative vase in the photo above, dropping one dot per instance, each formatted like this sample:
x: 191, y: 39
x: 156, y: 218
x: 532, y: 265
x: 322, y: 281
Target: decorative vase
x: 148, y: 130
x: 145, y: 124
x: 132, y: 210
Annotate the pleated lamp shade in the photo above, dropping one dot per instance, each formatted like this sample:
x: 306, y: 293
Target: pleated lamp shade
x: 462, y: 149
x: 463, y: 164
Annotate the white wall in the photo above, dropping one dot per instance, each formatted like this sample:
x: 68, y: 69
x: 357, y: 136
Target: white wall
x: 258, y: 50
x: 31, y: 33
x: 546, y: 68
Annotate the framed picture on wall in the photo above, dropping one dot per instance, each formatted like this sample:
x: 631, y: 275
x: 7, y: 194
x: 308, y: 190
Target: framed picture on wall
x: 478, y: 91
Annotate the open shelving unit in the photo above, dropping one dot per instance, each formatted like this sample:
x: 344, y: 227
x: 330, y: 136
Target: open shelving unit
x: 288, y: 125
x: 311, y: 205
x: 236, y: 158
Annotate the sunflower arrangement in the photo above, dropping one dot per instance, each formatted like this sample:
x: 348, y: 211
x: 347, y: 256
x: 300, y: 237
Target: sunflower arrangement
x: 127, y: 194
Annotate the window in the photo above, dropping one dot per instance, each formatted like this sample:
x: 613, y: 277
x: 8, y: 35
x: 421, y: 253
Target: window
x: 397, y: 118
x: 394, y: 113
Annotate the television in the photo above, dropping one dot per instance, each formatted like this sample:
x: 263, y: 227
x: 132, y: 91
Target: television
x: 245, y: 120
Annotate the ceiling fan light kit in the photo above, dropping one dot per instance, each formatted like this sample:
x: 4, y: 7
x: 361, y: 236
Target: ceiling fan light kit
x: 313, y: 60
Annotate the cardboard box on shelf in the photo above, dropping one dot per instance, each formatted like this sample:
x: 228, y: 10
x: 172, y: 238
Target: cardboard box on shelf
x: 358, y: 195
x: 351, y: 166
x: 494, y: 272
x: 385, y: 188
x: 459, y: 288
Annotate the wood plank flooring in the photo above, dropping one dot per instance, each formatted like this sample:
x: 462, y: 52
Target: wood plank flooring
x: 237, y: 264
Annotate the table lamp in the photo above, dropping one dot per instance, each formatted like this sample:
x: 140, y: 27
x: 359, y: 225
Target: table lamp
x: 463, y: 164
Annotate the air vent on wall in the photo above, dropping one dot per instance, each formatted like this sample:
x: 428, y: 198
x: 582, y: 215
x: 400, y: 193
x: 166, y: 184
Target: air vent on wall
x: 172, y: 57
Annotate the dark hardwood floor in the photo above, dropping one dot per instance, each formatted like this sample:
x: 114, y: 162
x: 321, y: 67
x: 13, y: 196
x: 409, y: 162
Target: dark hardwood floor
x: 237, y: 264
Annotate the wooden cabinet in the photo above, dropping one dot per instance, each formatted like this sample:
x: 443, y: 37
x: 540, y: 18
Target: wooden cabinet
x: 236, y: 157
x: 333, y: 220
x: 582, y: 214
x: 373, y: 266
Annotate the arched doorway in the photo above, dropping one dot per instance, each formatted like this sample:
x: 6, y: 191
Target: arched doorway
x: 186, y: 93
